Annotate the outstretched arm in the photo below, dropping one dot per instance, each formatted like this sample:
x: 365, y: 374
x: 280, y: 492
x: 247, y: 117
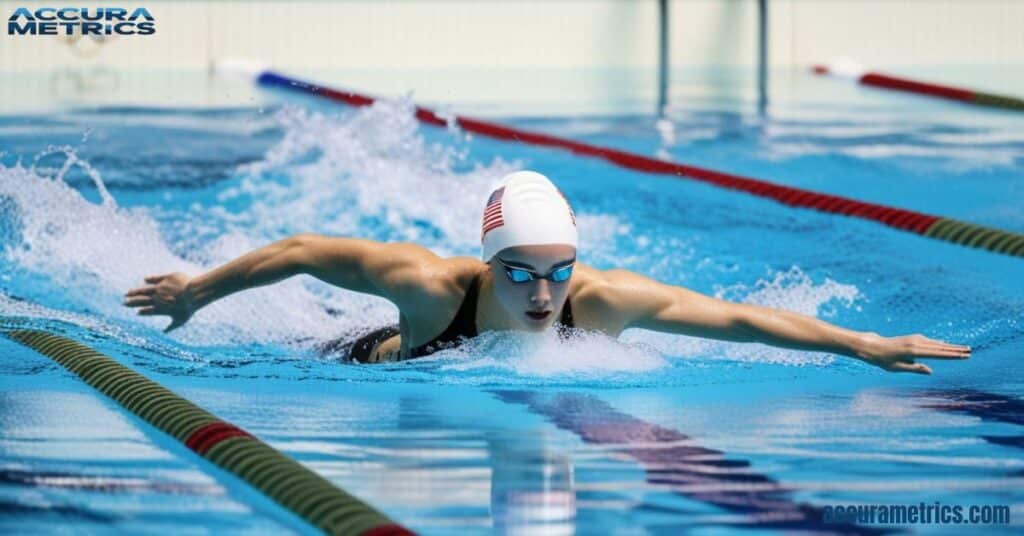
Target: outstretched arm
x: 392, y: 271
x: 645, y: 303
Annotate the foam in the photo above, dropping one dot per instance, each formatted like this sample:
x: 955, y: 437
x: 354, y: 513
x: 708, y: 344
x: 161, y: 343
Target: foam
x: 583, y: 356
x: 368, y: 162
x: 95, y: 252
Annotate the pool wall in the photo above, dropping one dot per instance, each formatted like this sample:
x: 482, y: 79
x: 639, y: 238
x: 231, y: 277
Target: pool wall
x: 413, y: 41
x: 549, y: 33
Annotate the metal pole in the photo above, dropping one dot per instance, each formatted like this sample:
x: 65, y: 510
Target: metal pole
x: 662, y: 56
x: 762, y: 56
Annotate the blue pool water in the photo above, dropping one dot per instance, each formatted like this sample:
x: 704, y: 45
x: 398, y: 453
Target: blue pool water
x: 647, y: 434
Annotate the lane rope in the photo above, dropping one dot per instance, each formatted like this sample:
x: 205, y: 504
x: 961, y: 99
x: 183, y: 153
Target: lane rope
x: 864, y: 77
x: 937, y: 227
x: 289, y: 483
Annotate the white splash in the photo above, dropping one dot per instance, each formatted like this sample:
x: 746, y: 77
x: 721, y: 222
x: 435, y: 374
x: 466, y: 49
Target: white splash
x: 794, y: 290
x: 584, y: 354
x: 378, y: 165
x: 96, y: 252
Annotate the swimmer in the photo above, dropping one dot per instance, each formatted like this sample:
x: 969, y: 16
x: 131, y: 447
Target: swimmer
x: 528, y: 279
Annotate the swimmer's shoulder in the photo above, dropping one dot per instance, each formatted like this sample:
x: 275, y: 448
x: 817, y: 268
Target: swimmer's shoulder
x: 589, y: 282
x: 421, y: 268
x: 602, y: 299
x: 458, y: 273
x: 442, y: 284
x: 590, y: 286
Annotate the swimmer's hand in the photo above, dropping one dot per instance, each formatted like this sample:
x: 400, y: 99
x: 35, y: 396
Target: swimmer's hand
x: 897, y: 354
x: 166, y: 294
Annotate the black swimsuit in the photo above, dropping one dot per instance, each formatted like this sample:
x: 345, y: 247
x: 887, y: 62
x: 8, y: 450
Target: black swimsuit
x: 463, y: 325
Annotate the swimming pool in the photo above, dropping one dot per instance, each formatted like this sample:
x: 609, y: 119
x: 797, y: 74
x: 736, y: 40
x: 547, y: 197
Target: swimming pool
x: 650, y: 434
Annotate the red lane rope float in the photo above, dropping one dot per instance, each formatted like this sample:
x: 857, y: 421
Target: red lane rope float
x: 292, y: 485
x: 907, y: 220
x: 205, y: 437
x: 907, y: 85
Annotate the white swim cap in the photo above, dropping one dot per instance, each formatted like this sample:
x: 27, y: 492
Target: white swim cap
x: 526, y: 210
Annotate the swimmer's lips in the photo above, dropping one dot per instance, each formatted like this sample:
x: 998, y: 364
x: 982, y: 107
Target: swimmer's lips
x: 538, y: 315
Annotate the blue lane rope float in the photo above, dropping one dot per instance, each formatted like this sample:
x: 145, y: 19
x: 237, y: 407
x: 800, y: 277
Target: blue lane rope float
x: 289, y: 483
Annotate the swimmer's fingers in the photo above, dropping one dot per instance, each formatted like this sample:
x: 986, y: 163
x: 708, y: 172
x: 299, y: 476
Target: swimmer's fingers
x: 904, y: 366
x: 139, y: 300
x: 149, y: 289
x: 141, y: 291
x: 921, y: 346
x: 176, y: 322
x: 942, y: 353
x: 897, y: 354
x: 925, y: 341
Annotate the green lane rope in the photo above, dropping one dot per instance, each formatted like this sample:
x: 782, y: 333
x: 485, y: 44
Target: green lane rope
x: 977, y: 236
x: 998, y: 101
x: 308, y: 495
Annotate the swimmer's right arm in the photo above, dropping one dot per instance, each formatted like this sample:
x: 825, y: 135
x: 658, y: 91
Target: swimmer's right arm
x: 392, y: 271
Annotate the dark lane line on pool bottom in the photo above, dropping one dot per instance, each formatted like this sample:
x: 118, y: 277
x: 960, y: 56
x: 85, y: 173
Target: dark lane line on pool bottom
x: 101, y: 484
x: 681, y: 467
x: 18, y: 509
x: 983, y: 405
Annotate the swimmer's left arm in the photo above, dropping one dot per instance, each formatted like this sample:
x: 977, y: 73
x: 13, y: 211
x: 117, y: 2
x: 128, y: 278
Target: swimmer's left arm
x: 644, y: 303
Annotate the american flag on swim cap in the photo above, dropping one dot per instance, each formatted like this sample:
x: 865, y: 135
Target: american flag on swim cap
x: 492, y: 212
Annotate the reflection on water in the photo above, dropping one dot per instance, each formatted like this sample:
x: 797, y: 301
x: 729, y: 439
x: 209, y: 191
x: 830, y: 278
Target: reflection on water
x: 670, y: 459
x: 531, y: 489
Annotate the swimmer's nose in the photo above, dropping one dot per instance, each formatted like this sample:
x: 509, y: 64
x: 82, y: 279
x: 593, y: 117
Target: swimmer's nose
x: 541, y: 294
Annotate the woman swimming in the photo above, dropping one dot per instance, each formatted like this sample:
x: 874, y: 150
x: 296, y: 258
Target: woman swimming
x: 528, y: 279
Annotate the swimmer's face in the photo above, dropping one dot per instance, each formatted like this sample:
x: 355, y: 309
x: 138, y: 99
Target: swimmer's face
x: 536, y: 303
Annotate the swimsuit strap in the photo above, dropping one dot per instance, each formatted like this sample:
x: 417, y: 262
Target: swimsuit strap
x: 463, y: 325
x: 566, y: 318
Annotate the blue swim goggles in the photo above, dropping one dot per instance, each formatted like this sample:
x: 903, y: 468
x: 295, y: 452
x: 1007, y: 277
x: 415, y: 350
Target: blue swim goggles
x: 523, y: 275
